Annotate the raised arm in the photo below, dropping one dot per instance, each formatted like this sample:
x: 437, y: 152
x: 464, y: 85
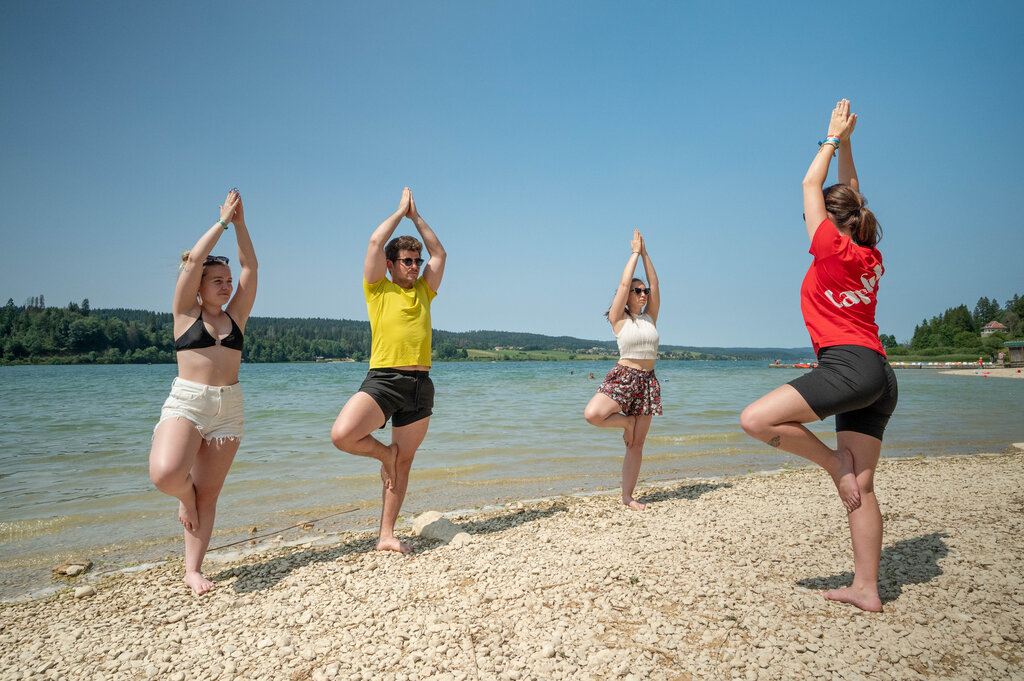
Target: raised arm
x: 654, y: 299
x: 434, y: 271
x: 840, y: 126
x: 617, y: 312
x: 245, y: 294
x: 375, y: 266
x: 847, y: 171
x: 187, y: 288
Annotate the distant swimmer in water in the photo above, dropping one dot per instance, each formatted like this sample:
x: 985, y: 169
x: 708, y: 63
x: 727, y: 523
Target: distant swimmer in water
x: 630, y: 394
x: 852, y: 378
x: 201, y: 421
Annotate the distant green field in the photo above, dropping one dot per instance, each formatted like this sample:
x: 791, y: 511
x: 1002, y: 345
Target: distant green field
x: 532, y: 356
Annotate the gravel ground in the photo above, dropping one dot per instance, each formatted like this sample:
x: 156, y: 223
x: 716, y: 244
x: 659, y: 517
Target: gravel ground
x: 716, y: 580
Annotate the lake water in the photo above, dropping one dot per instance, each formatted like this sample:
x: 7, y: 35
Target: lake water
x: 75, y: 442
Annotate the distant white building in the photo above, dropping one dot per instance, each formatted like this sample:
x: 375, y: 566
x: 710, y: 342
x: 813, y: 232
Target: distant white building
x: 991, y: 328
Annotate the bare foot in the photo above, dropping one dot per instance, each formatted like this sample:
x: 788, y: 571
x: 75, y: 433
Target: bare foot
x: 846, y: 480
x: 392, y: 544
x: 627, y: 432
x: 188, y: 514
x: 198, y: 583
x: 634, y: 504
x: 387, y: 467
x: 862, y: 598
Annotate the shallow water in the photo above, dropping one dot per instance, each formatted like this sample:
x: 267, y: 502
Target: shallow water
x: 73, y: 451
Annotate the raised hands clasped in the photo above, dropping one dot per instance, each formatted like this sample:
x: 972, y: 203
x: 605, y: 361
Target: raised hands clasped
x: 412, y: 213
x: 637, y: 242
x: 843, y: 122
x: 232, y: 206
x: 403, y: 205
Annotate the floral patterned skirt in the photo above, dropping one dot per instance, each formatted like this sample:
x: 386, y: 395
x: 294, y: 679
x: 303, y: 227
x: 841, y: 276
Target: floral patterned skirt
x: 637, y: 392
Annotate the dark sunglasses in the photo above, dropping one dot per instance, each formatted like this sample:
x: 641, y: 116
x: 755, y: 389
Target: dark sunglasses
x: 409, y: 261
x: 215, y: 260
x: 642, y: 291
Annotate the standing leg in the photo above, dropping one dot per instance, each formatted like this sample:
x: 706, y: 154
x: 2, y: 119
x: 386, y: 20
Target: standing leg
x: 406, y: 440
x: 865, y: 525
x: 208, y: 473
x: 604, y: 412
x: 171, y: 457
x: 631, y: 463
x: 778, y: 418
x: 352, y: 430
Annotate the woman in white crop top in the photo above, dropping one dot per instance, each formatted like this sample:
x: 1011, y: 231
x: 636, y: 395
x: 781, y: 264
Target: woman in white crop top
x: 630, y: 394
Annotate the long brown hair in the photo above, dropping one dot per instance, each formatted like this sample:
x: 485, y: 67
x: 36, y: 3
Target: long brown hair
x: 628, y: 313
x: 851, y: 211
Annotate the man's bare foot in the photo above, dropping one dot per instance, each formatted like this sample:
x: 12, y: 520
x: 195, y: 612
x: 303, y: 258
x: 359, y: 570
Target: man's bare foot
x: 627, y: 432
x: 846, y: 480
x: 634, y: 504
x: 188, y: 514
x: 393, y: 544
x: 198, y: 583
x: 387, y: 467
x: 862, y: 598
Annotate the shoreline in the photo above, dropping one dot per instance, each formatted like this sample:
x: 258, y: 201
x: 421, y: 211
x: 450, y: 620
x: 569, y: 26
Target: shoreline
x: 716, y: 579
x: 994, y: 372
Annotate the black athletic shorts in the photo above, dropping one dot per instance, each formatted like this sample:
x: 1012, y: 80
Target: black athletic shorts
x: 404, y: 396
x: 854, y: 383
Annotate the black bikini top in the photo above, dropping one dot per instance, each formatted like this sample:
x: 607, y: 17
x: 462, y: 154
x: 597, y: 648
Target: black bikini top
x: 198, y: 337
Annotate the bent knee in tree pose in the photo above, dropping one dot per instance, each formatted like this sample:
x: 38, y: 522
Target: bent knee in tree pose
x: 630, y: 394
x: 853, y: 380
x: 201, y: 423
x: 398, y: 385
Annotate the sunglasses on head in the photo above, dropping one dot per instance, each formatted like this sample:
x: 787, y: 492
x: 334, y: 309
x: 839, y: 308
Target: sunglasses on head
x: 408, y: 262
x: 642, y: 291
x: 215, y: 260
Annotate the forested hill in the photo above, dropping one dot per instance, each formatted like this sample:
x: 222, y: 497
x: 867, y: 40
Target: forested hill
x: 34, y: 334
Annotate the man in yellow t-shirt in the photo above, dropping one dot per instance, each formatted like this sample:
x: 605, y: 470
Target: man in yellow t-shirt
x: 398, y: 385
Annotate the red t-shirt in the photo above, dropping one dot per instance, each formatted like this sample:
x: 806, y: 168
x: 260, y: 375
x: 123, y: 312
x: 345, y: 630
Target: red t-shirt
x: 838, y: 296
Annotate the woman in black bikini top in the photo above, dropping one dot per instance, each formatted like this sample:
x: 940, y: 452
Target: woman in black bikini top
x: 201, y: 422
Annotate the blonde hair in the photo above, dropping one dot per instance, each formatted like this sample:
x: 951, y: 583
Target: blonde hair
x: 206, y: 263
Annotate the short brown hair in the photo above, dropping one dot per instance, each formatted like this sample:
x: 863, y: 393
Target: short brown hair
x: 402, y: 243
x: 851, y: 211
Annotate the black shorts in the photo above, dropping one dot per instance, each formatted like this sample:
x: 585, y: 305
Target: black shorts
x: 854, y: 383
x: 404, y: 396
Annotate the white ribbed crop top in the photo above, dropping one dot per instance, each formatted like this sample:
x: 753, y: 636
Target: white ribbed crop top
x: 638, y: 339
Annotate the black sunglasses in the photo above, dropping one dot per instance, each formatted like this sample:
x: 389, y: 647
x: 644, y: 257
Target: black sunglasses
x: 409, y: 261
x: 642, y: 291
x: 215, y: 260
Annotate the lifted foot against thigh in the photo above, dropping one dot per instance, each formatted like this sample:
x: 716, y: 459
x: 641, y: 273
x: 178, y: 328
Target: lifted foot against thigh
x: 188, y: 515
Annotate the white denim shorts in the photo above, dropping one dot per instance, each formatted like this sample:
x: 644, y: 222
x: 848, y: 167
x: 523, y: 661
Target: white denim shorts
x: 215, y: 410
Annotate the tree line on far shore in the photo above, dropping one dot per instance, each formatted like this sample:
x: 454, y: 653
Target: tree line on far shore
x: 77, y: 334
x: 956, y: 333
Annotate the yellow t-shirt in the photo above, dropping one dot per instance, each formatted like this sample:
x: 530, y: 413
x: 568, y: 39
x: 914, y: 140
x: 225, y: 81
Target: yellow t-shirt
x: 399, y: 323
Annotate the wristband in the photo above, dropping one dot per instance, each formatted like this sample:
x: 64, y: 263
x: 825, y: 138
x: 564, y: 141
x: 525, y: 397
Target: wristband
x: 223, y: 223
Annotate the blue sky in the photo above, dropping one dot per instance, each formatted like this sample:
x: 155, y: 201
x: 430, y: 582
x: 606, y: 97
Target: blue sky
x: 535, y: 135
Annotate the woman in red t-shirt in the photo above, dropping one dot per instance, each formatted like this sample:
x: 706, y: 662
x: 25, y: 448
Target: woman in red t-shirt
x: 853, y: 380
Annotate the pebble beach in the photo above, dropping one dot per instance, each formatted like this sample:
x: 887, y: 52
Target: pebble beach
x: 717, y: 579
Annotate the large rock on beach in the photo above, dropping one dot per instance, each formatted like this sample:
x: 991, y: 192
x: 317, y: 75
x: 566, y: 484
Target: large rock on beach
x: 433, y: 525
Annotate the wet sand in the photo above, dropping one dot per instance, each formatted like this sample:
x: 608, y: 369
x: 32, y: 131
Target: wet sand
x: 718, y: 579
